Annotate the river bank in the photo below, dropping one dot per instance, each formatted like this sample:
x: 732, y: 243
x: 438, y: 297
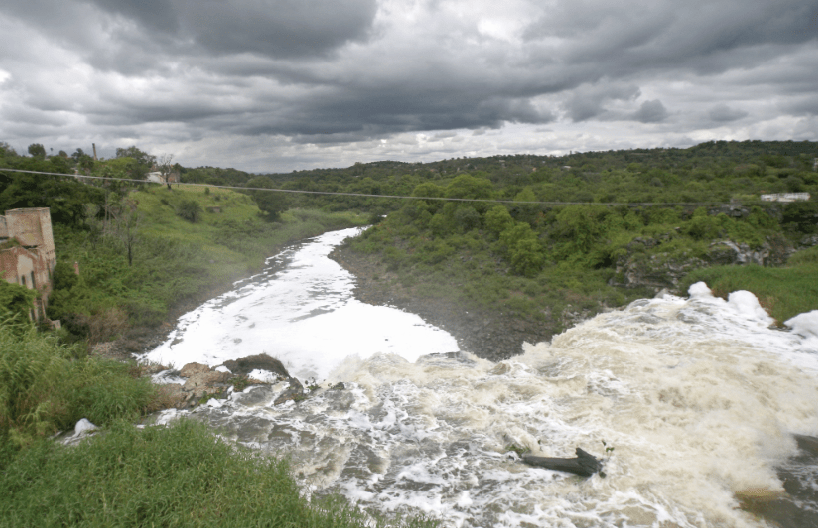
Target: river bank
x: 489, y: 334
x: 303, y: 225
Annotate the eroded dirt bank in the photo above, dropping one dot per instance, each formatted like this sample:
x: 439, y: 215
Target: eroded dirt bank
x: 486, y: 333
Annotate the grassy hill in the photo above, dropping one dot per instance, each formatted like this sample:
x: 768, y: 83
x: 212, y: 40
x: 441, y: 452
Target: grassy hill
x: 186, y: 245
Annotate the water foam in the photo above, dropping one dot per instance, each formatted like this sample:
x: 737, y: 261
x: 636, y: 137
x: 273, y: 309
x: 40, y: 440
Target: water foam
x: 301, y: 310
x: 697, y: 397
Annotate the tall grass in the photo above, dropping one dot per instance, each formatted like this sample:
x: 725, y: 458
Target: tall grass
x: 175, y: 476
x: 46, y: 387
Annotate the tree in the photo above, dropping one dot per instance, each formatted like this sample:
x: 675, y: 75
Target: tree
x: 165, y: 165
x: 142, y: 158
x: 37, y: 150
x: 7, y: 150
x: 271, y: 203
x: 498, y: 219
x: 16, y: 300
x: 126, y: 225
x: 468, y: 187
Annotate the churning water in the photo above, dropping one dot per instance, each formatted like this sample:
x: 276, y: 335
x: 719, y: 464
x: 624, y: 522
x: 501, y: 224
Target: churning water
x: 697, y: 398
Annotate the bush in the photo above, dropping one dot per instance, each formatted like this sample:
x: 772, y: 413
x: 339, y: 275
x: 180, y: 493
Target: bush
x: 189, y: 210
x: 498, y: 219
x: 16, y: 300
x: 46, y: 387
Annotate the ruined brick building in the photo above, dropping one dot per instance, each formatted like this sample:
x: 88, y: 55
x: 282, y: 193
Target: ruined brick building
x: 27, y: 254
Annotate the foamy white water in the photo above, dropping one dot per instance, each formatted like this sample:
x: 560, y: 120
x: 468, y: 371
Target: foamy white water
x: 698, y: 398
x: 302, y: 311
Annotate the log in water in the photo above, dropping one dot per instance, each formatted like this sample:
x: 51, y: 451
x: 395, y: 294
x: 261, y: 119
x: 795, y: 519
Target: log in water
x: 584, y: 465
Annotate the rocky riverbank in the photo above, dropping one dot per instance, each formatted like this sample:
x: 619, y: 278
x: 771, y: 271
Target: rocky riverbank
x: 486, y: 333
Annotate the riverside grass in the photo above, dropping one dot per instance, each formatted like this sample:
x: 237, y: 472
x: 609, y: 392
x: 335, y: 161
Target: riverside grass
x: 46, y: 387
x: 177, y: 476
x: 783, y: 292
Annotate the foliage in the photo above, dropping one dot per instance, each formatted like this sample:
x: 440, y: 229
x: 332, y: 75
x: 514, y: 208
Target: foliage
x: 37, y: 150
x: 46, y: 387
x: 270, y: 203
x: 180, y: 475
x: 140, y: 163
x: 189, y: 210
x: 172, y: 260
x: 65, y: 196
x: 530, y: 258
x: 16, y: 300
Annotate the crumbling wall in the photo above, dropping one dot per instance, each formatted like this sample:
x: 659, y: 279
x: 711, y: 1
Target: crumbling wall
x: 29, y: 255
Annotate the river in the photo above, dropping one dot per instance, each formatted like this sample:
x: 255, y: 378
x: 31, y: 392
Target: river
x: 691, y: 402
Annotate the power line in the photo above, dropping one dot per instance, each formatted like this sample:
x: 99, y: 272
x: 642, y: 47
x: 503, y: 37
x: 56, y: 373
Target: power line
x: 361, y: 195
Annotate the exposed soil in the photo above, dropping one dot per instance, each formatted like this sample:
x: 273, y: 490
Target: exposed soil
x: 488, y: 334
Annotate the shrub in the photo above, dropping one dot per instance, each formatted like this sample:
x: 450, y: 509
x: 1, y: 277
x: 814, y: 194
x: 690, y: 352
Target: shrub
x: 16, y: 300
x: 45, y: 387
x: 189, y: 210
x: 498, y: 219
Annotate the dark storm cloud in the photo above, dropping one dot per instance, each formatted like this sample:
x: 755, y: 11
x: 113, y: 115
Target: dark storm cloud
x: 273, y: 28
x: 650, y: 112
x: 345, y: 71
x: 587, y: 102
x: 722, y: 113
x: 671, y: 35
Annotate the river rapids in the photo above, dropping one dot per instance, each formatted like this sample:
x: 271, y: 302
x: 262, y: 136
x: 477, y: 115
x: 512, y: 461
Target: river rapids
x: 690, y: 402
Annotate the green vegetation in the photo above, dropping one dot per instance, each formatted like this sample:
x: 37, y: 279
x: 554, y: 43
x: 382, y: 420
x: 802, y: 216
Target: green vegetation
x: 784, y: 292
x: 175, y: 476
x: 160, y: 247
x: 540, y: 261
x: 139, y: 264
x: 46, y: 387
x: 145, y: 250
x: 17, y: 299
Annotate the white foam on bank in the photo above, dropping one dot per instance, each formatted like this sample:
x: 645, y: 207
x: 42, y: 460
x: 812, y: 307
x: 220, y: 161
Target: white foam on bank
x: 805, y: 324
x: 301, y: 311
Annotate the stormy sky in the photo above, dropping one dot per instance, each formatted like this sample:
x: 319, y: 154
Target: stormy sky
x: 282, y: 85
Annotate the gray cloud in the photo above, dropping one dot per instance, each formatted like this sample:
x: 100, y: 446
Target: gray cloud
x: 267, y: 27
x: 650, y: 112
x: 588, y: 101
x: 721, y: 113
x: 314, y: 76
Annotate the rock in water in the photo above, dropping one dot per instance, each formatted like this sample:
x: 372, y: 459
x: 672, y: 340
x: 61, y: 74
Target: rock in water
x: 244, y: 366
x: 193, y: 368
x: 294, y: 392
